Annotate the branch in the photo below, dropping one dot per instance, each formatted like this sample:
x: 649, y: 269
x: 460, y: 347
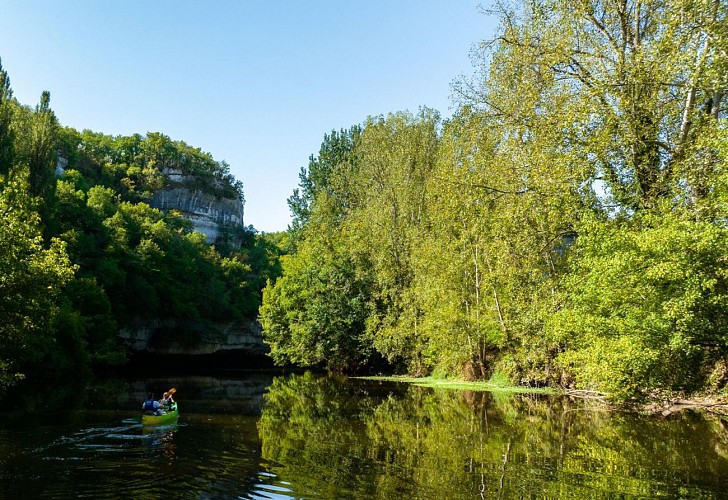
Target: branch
x: 600, y: 27
x: 690, y: 98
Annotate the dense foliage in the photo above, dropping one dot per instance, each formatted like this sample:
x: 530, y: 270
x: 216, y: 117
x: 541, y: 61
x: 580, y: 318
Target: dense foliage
x: 567, y: 226
x: 83, y: 254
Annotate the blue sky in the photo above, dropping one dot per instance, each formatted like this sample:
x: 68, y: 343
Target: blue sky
x: 255, y: 83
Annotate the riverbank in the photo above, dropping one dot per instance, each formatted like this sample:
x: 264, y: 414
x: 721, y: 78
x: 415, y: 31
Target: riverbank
x: 665, y: 406
x: 717, y: 404
x: 439, y: 383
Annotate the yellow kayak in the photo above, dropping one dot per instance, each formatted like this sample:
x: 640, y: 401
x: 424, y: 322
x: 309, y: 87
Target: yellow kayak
x: 168, y: 418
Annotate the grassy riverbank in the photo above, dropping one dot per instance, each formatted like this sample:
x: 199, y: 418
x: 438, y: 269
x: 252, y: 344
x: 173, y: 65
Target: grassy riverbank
x: 716, y: 404
x: 492, y: 385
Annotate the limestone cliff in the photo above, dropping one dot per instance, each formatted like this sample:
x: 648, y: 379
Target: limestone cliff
x: 150, y: 336
x: 216, y: 217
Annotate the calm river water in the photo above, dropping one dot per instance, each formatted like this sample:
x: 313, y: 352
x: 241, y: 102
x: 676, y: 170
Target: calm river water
x: 264, y: 435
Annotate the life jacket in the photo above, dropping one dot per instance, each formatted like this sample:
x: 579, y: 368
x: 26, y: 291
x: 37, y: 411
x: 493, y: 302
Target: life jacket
x: 149, y: 405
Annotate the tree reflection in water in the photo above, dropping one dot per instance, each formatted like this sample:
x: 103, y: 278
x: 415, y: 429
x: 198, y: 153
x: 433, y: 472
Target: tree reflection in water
x: 332, y: 437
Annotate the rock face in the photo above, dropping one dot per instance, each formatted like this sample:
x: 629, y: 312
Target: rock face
x: 219, y: 219
x: 233, y: 336
x: 61, y: 164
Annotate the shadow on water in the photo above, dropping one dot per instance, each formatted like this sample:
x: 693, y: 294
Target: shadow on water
x: 270, y: 435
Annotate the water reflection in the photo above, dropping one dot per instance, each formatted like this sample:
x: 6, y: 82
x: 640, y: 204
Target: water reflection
x: 309, y: 436
x: 90, y: 443
x: 161, y: 439
x: 330, y: 439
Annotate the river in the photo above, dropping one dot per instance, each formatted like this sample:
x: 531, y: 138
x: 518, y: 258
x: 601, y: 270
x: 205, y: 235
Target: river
x: 270, y: 435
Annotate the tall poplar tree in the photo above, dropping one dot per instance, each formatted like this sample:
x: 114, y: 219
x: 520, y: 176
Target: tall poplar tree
x: 325, y: 174
x: 6, y: 131
x: 397, y: 155
x: 42, y: 148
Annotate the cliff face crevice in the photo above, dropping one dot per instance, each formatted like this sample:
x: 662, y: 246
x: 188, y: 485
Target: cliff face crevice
x: 217, y: 218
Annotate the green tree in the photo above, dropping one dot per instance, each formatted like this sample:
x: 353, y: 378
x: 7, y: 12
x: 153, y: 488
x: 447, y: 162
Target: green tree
x: 42, y: 149
x: 647, y: 302
x: 594, y: 110
x: 337, y: 154
x: 6, y: 131
x: 315, y: 313
x: 502, y: 210
x: 397, y: 156
x: 643, y: 79
x: 33, y: 277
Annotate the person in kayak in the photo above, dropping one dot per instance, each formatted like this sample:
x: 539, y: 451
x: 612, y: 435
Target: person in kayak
x: 152, y: 405
x: 166, y: 400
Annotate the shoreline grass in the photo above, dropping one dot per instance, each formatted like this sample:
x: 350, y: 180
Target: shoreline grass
x: 711, y: 404
x: 440, y: 383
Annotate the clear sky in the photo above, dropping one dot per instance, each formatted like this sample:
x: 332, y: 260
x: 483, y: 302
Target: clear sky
x: 255, y: 83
